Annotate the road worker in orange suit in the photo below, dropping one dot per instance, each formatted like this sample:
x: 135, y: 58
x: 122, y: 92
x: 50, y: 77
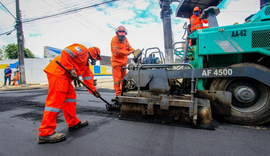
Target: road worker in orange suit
x: 94, y: 55
x: 16, y: 78
x: 196, y: 20
x: 61, y: 95
x: 120, y: 49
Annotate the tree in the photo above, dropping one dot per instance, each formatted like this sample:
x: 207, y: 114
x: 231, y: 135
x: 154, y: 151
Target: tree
x: 1, y: 54
x: 11, y: 52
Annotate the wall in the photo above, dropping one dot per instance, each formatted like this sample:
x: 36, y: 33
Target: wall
x: 106, y: 60
x: 34, y: 70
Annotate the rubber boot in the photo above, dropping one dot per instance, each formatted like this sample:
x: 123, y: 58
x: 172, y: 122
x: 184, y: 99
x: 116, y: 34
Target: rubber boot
x: 55, y: 137
x: 79, y: 125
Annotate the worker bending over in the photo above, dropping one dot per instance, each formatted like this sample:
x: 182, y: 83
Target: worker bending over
x: 120, y: 49
x: 16, y: 78
x: 61, y: 95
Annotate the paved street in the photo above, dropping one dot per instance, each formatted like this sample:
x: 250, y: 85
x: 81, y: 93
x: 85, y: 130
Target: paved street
x: 21, y: 114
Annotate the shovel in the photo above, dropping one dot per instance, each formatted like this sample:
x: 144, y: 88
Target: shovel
x: 108, y: 105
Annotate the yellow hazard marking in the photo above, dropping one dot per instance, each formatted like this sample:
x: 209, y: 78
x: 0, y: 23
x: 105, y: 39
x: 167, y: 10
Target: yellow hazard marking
x: 3, y: 66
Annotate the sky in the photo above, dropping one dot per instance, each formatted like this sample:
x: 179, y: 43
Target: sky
x: 95, y: 26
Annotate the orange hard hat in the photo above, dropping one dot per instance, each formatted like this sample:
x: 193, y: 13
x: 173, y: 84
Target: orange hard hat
x: 95, y: 53
x: 196, y: 9
x: 121, y: 30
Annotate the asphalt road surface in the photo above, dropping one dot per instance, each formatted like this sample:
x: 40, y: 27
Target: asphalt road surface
x: 21, y: 115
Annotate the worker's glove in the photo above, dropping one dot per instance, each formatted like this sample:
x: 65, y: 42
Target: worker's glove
x: 73, y: 74
x: 203, y: 16
x: 131, y: 52
x: 96, y: 94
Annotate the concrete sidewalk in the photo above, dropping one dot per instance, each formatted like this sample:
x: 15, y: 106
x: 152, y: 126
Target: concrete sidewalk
x: 101, y: 83
x: 105, y: 83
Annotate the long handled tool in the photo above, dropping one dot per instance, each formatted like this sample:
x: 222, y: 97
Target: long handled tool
x: 108, y: 105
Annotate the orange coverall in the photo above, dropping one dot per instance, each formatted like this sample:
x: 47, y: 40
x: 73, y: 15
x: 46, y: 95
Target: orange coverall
x: 120, y: 51
x: 197, y: 23
x: 61, y: 93
x: 16, y: 78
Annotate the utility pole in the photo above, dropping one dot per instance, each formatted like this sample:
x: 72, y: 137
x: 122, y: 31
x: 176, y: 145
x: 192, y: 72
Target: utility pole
x: 165, y: 15
x: 20, y: 39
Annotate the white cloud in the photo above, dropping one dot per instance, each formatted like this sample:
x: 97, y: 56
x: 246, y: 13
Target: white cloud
x: 96, y: 26
x: 141, y: 4
x: 237, y: 11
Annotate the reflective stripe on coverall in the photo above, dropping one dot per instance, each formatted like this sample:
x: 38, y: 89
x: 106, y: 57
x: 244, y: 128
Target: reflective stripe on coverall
x: 61, y: 93
x: 197, y: 23
x: 16, y: 78
x: 120, y: 51
x: 117, y: 77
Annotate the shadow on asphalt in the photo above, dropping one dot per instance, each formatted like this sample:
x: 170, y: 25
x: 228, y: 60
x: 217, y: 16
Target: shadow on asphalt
x: 99, y: 89
x: 222, y: 121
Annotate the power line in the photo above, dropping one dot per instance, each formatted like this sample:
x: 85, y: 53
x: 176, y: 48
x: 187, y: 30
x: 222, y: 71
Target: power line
x: 110, y: 9
x: 48, y: 10
x: 66, y: 12
x: 9, y: 2
x: 80, y: 21
x: 88, y: 21
x: 237, y: 11
x: 41, y: 11
x: 7, y: 33
x: 7, y: 10
x: 61, y: 14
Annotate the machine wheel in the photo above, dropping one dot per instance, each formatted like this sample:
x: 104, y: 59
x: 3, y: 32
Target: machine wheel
x: 250, y: 98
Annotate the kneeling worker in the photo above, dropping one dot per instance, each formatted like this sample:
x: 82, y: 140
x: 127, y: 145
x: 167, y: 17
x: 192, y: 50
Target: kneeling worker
x: 16, y: 78
x: 61, y: 94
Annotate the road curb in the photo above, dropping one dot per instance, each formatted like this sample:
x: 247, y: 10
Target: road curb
x: 104, y: 84
x: 23, y: 88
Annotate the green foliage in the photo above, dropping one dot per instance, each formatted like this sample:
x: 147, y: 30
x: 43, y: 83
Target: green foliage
x: 11, y: 52
x: 1, y: 54
x: 28, y: 53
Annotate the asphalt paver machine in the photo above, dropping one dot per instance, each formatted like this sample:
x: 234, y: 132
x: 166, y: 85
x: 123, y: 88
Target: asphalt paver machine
x: 226, y: 72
